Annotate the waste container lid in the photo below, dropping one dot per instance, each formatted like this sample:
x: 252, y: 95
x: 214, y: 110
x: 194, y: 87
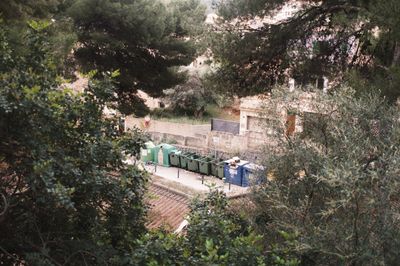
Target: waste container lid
x: 240, y: 163
x: 255, y: 167
x: 149, y: 145
x: 236, y: 159
x: 166, y: 146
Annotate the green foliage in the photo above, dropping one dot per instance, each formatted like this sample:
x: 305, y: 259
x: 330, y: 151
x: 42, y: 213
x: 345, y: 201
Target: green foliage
x: 67, y: 197
x: 27, y: 9
x: 325, y: 38
x: 132, y: 141
x: 145, y: 40
x: 188, y: 17
x: 38, y: 13
x: 214, y: 236
x: 337, y: 190
x: 385, y: 80
x: 159, y: 248
x: 218, y: 237
x: 190, y: 98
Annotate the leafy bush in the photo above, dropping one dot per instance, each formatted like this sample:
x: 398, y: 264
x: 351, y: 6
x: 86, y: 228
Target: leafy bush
x: 338, y: 189
x: 66, y: 195
x: 190, y: 98
x: 214, y: 236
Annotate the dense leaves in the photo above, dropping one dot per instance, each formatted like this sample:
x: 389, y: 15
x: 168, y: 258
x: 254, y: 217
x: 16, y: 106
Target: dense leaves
x: 215, y: 236
x: 189, y: 98
x: 337, y: 189
x: 321, y: 38
x: 67, y: 197
x: 145, y: 40
x: 15, y: 14
x: 21, y: 10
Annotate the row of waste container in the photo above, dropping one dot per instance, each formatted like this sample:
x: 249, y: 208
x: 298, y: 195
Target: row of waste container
x: 235, y: 171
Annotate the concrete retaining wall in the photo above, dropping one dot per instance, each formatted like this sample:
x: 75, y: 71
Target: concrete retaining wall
x: 201, y: 138
x: 168, y: 127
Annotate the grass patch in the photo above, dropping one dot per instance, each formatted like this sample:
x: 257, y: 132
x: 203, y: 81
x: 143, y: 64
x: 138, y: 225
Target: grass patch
x: 214, y: 111
x: 184, y: 120
x: 211, y: 111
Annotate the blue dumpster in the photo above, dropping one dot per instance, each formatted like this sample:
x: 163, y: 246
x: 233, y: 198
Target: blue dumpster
x: 252, y: 174
x: 233, y: 171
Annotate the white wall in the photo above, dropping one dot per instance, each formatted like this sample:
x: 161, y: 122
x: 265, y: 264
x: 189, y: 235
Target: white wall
x: 181, y: 129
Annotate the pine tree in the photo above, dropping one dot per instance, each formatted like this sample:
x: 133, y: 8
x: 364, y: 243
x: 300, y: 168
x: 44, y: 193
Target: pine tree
x: 145, y: 40
x: 329, y: 38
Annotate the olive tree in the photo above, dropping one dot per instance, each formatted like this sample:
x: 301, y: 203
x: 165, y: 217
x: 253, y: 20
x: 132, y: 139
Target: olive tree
x: 337, y: 189
x: 189, y: 98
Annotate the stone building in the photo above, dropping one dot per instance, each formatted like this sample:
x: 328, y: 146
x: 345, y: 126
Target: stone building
x: 261, y: 114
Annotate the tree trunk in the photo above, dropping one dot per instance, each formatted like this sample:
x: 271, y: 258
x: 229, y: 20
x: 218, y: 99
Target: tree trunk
x: 199, y: 113
x: 396, y: 54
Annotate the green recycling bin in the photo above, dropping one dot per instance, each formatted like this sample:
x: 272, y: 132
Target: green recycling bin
x: 161, y: 154
x: 205, y: 165
x: 146, y: 153
x: 183, y: 159
x: 193, y: 163
x: 220, y: 170
x: 174, y: 158
x: 214, y: 164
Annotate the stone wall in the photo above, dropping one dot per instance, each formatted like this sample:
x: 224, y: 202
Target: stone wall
x: 187, y: 130
x: 168, y: 138
x: 201, y: 139
x: 214, y: 141
x: 257, y: 112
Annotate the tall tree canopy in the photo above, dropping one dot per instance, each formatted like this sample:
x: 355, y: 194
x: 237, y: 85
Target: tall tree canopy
x: 323, y: 38
x: 66, y: 197
x: 16, y: 13
x: 190, y: 98
x: 146, y: 40
x: 25, y: 9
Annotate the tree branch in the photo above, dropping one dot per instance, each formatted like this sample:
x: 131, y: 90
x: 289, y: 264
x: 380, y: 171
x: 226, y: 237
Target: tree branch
x: 6, y: 205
